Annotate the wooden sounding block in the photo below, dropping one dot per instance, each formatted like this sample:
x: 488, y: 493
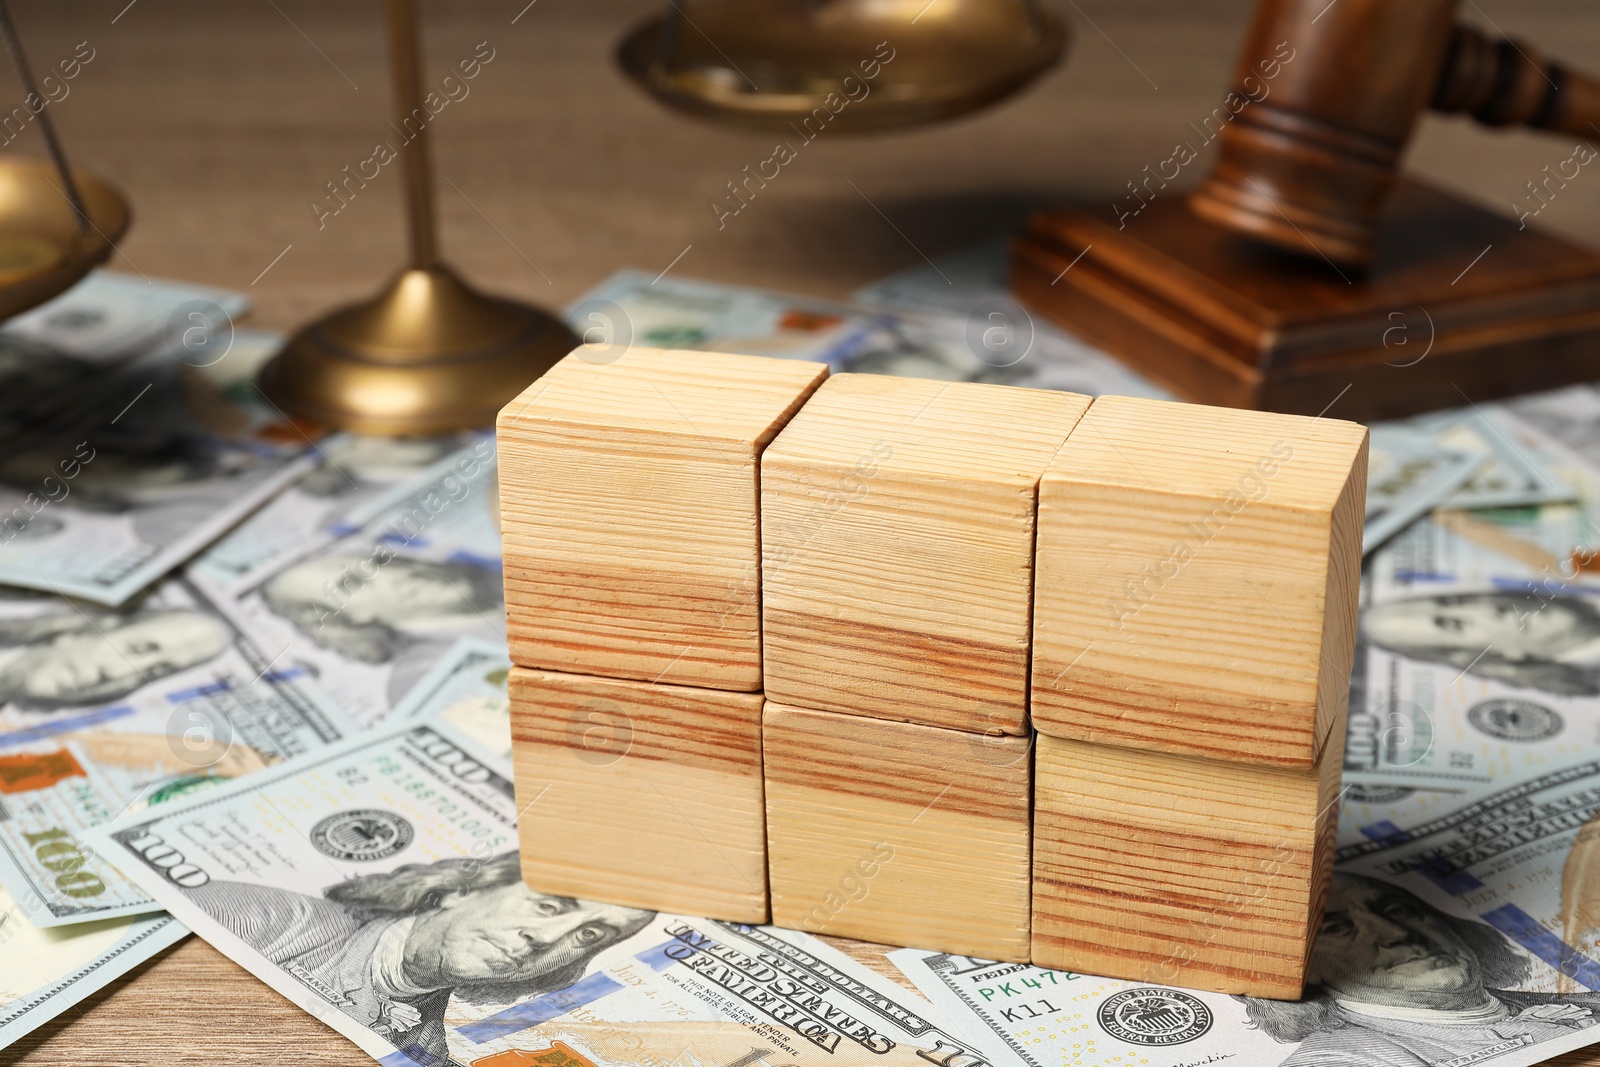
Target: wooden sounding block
x: 897, y: 523
x: 1219, y: 319
x: 1179, y: 871
x: 628, y: 495
x: 640, y: 794
x: 1198, y: 570
x: 898, y: 833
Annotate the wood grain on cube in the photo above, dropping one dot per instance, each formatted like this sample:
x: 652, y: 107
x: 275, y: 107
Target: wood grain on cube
x: 898, y: 833
x: 1170, y: 869
x: 1198, y: 570
x: 628, y: 497
x: 897, y: 548
x: 640, y: 794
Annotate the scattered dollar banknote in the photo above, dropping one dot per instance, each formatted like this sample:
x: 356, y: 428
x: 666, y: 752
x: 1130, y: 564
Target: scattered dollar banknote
x: 103, y: 712
x: 1366, y: 810
x: 48, y: 798
x: 1523, y: 860
x: 50, y: 354
x: 1408, y: 475
x: 1575, y: 470
x: 377, y: 886
x: 356, y: 477
x: 1437, y: 725
x: 467, y: 689
x: 956, y: 283
x: 44, y: 972
x: 997, y: 342
x: 1468, y: 939
x: 1512, y: 548
x: 104, y: 501
x: 1383, y: 1014
x: 1571, y: 415
x: 1546, y: 546
x: 109, y: 316
x: 1508, y: 476
x: 1461, y: 930
x: 371, y: 612
x: 1481, y: 657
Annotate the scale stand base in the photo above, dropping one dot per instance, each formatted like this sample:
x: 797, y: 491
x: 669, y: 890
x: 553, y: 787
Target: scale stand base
x: 427, y: 355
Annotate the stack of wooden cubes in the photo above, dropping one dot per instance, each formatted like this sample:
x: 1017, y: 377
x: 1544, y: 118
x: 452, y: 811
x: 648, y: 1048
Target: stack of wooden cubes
x: 782, y: 643
x: 1194, y: 627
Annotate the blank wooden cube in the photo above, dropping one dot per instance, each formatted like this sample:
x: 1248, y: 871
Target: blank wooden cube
x: 1174, y: 870
x: 898, y: 833
x: 897, y: 548
x: 628, y: 495
x: 640, y: 794
x: 1198, y: 570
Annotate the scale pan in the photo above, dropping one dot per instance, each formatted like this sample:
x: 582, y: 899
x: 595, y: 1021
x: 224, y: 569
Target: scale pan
x: 42, y: 251
x: 775, y: 63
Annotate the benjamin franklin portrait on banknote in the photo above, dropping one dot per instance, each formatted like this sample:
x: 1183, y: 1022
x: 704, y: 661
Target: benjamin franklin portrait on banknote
x: 353, y: 462
x: 137, y: 471
x: 69, y: 659
x: 1535, y: 642
x: 1395, y: 982
x: 370, y: 608
x: 391, y: 949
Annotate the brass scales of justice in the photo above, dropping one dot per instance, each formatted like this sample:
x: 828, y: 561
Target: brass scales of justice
x: 430, y: 354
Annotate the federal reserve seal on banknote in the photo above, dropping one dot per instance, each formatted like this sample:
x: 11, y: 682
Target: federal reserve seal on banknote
x: 1151, y: 1015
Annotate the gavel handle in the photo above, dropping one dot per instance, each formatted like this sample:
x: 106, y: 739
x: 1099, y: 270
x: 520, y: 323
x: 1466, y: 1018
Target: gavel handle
x: 1505, y: 83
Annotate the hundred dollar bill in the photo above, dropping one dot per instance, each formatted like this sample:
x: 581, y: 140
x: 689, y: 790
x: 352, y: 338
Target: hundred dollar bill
x: 356, y: 477
x: 972, y: 286
x: 371, y: 612
x: 1467, y: 939
x: 105, y: 712
x: 467, y: 689
x: 1375, y: 811
x: 1508, y: 476
x: 105, y: 500
x: 109, y: 315
x: 1434, y: 724
x: 1577, y: 471
x: 1523, y: 860
x: 1546, y: 546
x: 377, y: 886
x: 1483, y: 663
x: 995, y: 342
x: 953, y: 284
x: 1408, y: 475
x: 1461, y: 551
x: 47, y: 798
x: 45, y: 972
x: 51, y: 353
x: 1441, y: 990
x: 1570, y: 415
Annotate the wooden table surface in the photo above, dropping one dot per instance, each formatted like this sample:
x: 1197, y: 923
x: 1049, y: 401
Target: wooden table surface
x: 223, y: 122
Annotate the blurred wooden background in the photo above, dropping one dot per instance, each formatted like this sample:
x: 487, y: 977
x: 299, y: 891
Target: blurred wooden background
x: 223, y: 121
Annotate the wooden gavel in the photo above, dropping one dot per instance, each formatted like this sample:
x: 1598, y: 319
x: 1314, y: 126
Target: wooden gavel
x: 1312, y: 150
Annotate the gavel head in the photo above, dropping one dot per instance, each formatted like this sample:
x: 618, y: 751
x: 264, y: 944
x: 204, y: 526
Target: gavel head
x: 1311, y: 151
